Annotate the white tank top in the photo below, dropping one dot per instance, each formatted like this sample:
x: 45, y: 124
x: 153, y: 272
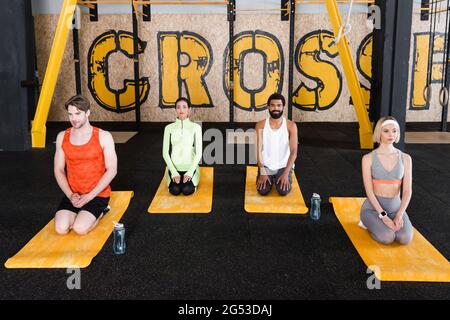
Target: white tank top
x: 275, y: 146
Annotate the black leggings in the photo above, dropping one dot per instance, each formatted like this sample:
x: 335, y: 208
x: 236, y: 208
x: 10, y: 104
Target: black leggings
x: 185, y: 188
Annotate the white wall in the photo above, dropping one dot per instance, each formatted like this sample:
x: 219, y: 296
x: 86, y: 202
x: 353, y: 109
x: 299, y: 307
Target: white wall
x: 54, y: 6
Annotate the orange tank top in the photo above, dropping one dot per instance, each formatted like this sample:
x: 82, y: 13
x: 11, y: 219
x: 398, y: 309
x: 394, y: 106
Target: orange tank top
x: 85, y: 164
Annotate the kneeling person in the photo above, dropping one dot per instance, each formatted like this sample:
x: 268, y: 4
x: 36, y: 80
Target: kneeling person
x: 184, y: 137
x: 276, y: 149
x: 85, y: 164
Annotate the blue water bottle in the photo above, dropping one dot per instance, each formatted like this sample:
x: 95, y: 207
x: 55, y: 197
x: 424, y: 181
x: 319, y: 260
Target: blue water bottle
x: 119, y: 238
x: 315, y: 207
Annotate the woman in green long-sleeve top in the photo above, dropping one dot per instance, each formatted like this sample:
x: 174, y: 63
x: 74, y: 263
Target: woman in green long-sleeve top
x: 184, y: 138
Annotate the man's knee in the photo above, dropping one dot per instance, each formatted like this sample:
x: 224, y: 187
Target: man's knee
x: 81, y: 229
x: 61, y: 229
x: 264, y: 191
x: 62, y: 222
x: 283, y: 192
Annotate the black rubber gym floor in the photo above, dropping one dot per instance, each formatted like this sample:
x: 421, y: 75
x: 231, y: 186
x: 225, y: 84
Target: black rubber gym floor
x: 228, y: 254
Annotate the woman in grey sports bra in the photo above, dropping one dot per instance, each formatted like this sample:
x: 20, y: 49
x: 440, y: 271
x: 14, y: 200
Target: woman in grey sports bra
x: 386, y: 173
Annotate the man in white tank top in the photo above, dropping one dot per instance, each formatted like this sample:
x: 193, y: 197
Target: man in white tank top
x: 276, y: 148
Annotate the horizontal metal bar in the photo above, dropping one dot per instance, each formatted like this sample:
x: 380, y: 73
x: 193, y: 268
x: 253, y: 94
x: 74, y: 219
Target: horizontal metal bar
x: 338, y: 1
x: 137, y: 2
x: 262, y: 9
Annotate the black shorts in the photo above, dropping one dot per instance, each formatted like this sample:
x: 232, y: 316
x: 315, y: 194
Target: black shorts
x: 96, y: 206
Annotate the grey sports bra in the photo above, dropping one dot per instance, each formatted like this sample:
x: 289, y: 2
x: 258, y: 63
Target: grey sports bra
x: 381, y: 175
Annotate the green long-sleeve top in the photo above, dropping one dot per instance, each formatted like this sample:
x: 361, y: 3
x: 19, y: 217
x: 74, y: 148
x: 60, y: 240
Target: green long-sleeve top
x: 184, y: 137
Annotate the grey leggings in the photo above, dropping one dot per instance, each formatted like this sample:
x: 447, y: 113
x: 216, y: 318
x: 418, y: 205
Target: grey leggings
x: 378, y: 230
x: 273, y: 176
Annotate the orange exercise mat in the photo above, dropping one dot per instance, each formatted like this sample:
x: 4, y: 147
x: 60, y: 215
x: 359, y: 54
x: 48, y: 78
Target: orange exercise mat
x: 48, y: 249
x: 417, y: 261
x: 293, y: 203
x: 198, y: 202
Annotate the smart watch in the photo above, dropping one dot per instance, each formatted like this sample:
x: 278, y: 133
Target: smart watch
x: 382, y: 214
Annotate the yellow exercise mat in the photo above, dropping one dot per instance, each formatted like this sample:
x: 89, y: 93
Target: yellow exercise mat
x: 47, y: 249
x: 417, y: 261
x: 293, y: 203
x: 198, y: 202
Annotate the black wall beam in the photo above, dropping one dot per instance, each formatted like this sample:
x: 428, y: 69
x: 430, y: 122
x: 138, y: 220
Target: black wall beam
x: 136, y: 69
x: 390, y: 61
x: 382, y: 64
x: 33, y: 94
x: 17, y: 68
x: 400, y: 72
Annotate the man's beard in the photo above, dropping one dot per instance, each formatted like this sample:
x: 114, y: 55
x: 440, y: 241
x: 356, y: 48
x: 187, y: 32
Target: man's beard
x: 80, y: 125
x: 276, y: 114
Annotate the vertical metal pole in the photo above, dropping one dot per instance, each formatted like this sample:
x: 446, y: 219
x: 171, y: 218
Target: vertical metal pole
x: 447, y: 82
x: 34, y: 97
x: 136, y: 69
x: 291, y: 55
x: 76, y: 58
x: 231, y: 18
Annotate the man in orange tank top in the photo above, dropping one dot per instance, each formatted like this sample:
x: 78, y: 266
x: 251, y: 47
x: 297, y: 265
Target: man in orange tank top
x: 85, y: 164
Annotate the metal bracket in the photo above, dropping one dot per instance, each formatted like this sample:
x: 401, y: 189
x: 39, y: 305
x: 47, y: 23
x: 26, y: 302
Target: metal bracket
x: 231, y: 9
x: 285, y: 10
x: 425, y: 14
x: 147, y: 12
